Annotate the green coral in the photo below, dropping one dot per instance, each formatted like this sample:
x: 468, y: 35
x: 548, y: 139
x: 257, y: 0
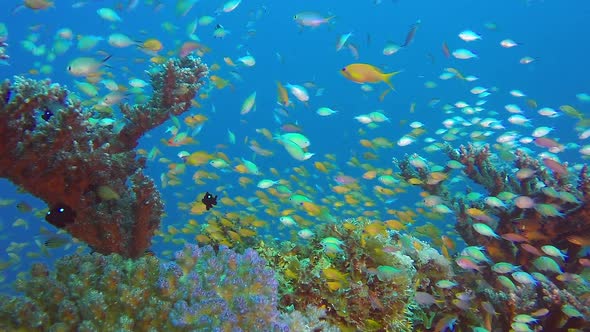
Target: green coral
x: 90, y: 292
x: 369, y: 284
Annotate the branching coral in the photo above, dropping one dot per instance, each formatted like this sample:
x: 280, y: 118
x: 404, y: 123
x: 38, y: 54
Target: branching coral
x: 89, y: 175
x: 530, y: 204
x: 201, y: 290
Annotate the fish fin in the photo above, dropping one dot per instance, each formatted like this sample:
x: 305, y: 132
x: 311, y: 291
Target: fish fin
x: 387, y: 77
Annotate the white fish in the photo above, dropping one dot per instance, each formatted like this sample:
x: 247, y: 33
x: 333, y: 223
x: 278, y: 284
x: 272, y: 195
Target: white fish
x: 416, y: 124
x: 512, y: 108
x: 120, y: 40
x: 541, y: 131
x: 247, y: 60
x: 391, y: 48
x: 508, y: 43
x: 469, y: 36
x: 230, y: 6
x: 463, y: 54
x: 406, y: 140
x: 485, y: 230
x: 325, y: 111
x: 363, y: 118
x: 85, y: 66
x: 288, y: 221
x: 585, y: 134
x: 517, y: 93
x: 305, y: 234
x: 478, y: 90
x: 548, y: 112
x: 520, y: 120
x: 266, y: 183
x: 300, y: 92
x: 108, y: 15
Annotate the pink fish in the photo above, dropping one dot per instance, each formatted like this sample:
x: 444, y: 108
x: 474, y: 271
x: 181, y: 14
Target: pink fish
x: 344, y: 179
x: 546, y: 142
x: 291, y: 128
x: 555, y: 166
x: 311, y: 19
x: 513, y: 237
x: 530, y: 249
x: 187, y: 48
x: 468, y: 264
x: 524, y: 202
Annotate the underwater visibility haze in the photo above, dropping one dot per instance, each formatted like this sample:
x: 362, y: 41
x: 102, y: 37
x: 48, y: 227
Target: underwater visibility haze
x: 247, y: 165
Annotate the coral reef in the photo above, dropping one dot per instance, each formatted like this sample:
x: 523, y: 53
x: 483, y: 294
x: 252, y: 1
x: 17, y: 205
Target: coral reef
x: 534, y: 211
x: 364, y: 275
x: 88, y: 174
x: 201, y: 290
x: 312, y: 319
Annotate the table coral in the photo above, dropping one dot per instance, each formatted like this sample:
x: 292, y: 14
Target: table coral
x: 89, y: 175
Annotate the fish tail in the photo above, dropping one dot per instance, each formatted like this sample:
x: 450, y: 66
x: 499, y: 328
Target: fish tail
x: 387, y: 77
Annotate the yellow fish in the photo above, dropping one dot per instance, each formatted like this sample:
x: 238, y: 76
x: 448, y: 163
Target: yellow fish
x: 365, y: 73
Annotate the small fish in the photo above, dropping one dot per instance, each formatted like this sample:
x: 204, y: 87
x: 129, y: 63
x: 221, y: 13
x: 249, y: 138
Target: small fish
x: 445, y: 49
x: 56, y: 241
x: 249, y: 104
x: 412, y: 33
x: 60, y: 215
x: 38, y: 4
x: 24, y: 207
x: 108, y: 14
x: 311, y: 19
x: 209, y: 200
x: 342, y: 41
x: 85, y: 66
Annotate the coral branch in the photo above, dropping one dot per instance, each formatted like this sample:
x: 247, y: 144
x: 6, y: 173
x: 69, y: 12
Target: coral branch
x: 175, y: 84
x: 89, y: 176
x: 531, y: 207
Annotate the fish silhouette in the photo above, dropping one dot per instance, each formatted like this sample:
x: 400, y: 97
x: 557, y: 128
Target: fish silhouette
x: 209, y: 200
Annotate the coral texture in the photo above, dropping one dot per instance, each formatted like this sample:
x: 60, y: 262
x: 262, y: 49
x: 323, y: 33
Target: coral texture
x: 520, y: 214
x: 89, y: 175
x: 202, y: 290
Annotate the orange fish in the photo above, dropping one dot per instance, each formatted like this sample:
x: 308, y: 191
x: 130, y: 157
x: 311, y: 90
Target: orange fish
x: 283, y: 95
x: 366, y: 73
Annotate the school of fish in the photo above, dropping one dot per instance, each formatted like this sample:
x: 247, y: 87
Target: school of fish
x: 283, y: 148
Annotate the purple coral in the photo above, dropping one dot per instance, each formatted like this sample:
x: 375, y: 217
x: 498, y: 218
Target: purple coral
x: 203, y: 290
x: 226, y: 290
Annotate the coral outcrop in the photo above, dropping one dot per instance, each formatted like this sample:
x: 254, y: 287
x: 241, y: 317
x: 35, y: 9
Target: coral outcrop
x: 88, y: 174
x: 535, y: 211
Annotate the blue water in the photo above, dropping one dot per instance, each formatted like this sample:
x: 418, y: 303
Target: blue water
x: 553, y: 32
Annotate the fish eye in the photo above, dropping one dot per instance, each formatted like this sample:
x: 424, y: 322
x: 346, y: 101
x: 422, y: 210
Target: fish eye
x: 344, y: 69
